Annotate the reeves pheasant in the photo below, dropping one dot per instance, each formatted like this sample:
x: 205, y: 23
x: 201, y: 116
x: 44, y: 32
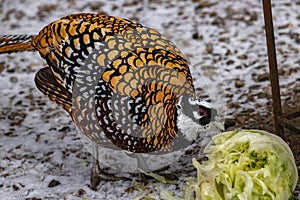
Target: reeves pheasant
x: 124, y: 85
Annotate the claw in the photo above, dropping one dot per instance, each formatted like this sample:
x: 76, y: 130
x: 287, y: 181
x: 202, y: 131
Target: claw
x: 97, y: 174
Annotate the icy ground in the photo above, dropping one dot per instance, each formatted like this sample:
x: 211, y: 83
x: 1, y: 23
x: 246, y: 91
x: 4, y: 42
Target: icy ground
x: 41, y: 154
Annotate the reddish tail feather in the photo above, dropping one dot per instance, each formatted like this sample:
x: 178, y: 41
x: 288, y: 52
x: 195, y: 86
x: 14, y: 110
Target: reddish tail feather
x: 15, y: 43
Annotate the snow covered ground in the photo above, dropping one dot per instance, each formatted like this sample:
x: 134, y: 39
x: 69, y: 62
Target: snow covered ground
x: 41, y: 154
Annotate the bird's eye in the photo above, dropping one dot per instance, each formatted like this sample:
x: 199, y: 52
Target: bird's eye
x: 203, y: 111
x: 205, y: 114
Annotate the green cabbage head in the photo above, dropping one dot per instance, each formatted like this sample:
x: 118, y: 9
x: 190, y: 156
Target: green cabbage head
x: 245, y: 165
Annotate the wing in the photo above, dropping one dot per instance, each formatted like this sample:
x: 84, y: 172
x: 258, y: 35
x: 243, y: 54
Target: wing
x: 47, y: 84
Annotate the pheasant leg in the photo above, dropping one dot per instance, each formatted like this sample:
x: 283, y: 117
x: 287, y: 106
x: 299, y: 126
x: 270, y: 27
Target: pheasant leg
x: 97, y: 174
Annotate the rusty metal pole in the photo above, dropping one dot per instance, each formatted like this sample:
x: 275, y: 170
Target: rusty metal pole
x: 277, y: 110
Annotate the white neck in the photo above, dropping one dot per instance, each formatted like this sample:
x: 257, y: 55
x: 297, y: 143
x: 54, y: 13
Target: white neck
x: 188, y: 127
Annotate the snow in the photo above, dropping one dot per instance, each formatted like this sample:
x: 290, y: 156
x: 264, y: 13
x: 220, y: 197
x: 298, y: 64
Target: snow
x: 39, y: 142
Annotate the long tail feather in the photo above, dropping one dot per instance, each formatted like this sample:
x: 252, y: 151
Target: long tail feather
x: 15, y: 43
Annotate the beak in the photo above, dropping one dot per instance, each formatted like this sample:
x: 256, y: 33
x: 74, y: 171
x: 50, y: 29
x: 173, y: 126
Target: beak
x: 216, y: 120
x: 219, y: 125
